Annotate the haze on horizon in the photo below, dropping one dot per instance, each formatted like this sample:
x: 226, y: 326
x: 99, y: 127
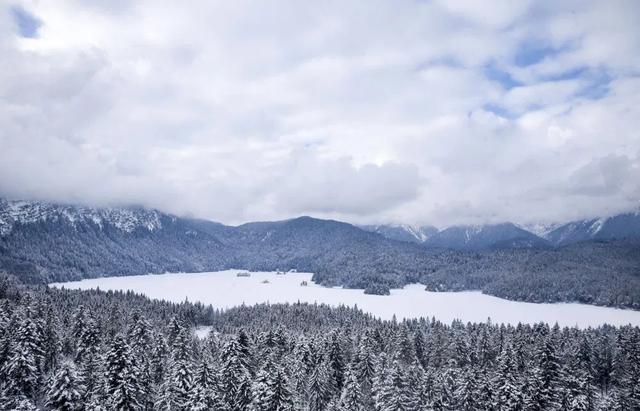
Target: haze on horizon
x: 439, y: 112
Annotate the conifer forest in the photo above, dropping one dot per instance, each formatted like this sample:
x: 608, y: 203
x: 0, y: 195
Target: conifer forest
x: 91, y: 350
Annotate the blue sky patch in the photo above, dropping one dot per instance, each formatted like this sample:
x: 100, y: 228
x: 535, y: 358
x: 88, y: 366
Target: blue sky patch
x: 567, y: 75
x: 530, y: 52
x: 27, y: 23
x: 493, y: 73
x: 597, y: 88
x: 498, y: 110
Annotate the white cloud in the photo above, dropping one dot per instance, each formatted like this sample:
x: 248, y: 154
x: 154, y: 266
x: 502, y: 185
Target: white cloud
x: 363, y: 111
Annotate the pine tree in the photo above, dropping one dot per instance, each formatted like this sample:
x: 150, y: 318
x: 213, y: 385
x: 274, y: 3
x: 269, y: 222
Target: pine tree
x: 394, y: 394
x: 235, y: 380
x: 319, y: 393
x: 578, y: 391
x: 365, y: 369
x: 159, y: 359
x: 204, y: 394
x: 88, y: 359
x: 406, y: 347
x: 122, y: 386
x: 22, y: 374
x: 261, y: 388
x: 449, y: 386
x: 467, y: 391
x: 336, y: 364
x: 180, y: 382
x: 419, y: 348
x: 65, y: 391
x: 485, y: 396
x: 351, y: 398
x: 282, y: 397
x: 545, y: 379
x: 506, y: 386
x: 51, y: 342
x: 23, y: 404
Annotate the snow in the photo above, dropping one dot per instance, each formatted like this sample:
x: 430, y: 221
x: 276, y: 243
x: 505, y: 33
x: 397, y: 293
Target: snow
x: 225, y: 290
x: 414, y: 232
x: 597, y: 226
x: 28, y: 212
x: 539, y: 229
x: 471, y: 232
x: 202, y: 331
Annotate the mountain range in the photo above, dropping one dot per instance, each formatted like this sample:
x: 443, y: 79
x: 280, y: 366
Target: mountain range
x: 595, y: 261
x: 510, y: 235
x: 25, y: 215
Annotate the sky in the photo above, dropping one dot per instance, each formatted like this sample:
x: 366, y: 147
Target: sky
x: 435, y: 112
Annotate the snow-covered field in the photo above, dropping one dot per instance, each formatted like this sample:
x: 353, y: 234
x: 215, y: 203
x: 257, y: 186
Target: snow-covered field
x: 224, y: 289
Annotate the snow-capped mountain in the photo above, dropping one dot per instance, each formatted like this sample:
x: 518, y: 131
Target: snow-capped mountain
x: 28, y: 212
x: 403, y: 232
x: 608, y: 228
x: 539, y: 229
x: 509, y: 235
x: 475, y: 237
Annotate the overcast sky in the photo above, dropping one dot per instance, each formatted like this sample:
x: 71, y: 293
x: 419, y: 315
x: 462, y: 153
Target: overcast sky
x: 441, y: 112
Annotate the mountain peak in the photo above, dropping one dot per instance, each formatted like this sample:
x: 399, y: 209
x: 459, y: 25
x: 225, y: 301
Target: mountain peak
x: 474, y: 237
x: 402, y: 232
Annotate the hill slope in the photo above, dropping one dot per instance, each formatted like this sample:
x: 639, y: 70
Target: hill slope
x: 618, y: 227
x: 495, y: 236
x: 403, y: 232
x: 43, y: 242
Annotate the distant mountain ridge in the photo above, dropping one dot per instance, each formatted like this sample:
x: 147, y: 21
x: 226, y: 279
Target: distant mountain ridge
x: 509, y: 235
x: 44, y: 242
x: 403, y: 232
x: 617, y: 227
x: 493, y: 236
x: 468, y: 237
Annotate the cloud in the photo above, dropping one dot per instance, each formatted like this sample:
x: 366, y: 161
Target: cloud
x: 410, y: 111
x: 336, y: 186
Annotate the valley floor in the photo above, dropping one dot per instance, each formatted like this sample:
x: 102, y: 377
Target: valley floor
x: 224, y: 289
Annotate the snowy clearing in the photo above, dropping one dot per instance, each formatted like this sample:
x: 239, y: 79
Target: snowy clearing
x: 224, y: 289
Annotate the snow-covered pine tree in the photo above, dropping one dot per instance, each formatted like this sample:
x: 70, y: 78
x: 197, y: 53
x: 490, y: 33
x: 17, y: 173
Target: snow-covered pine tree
x: 467, y: 391
x: 121, y: 384
x: 51, y: 341
x: 88, y: 359
x: 505, y: 383
x: 235, y: 379
x: 319, y: 386
x: 545, y: 387
x: 159, y: 358
x: 365, y: 369
x: 394, y: 394
x: 261, y: 387
x: 65, y: 392
x: 22, y: 375
x: 282, y: 397
x: 351, y: 398
x: 336, y: 363
x: 205, y: 392
x: 180, y: 379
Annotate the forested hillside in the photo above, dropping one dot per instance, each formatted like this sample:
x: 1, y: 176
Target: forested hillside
x: 71, y: 350
x: 60, y: 243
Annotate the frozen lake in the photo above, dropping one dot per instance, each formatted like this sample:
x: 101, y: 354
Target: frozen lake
x: 224, y: 289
